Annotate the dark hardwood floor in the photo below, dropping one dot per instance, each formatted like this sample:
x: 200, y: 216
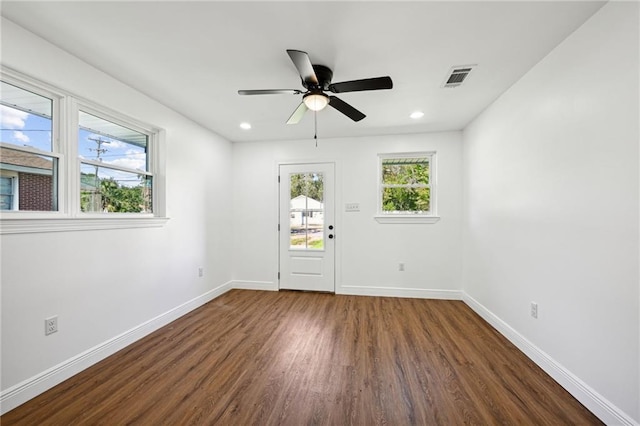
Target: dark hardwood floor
x: 291, y: 358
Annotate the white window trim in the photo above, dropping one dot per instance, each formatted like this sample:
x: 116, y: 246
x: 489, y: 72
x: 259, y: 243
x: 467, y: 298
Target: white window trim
x: 387, y: 219
x: 65, y: 224
x: 65, y: 140
x: 400, y: 218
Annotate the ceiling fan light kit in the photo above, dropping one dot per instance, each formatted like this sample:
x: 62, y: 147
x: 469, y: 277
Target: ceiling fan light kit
x: 315, y: 101
x: 316, y: 79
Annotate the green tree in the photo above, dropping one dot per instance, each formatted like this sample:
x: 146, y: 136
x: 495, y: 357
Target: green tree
x: 99, y: 195
x: 120, y: 198
x: 404, y: 187
x: 309, y: 184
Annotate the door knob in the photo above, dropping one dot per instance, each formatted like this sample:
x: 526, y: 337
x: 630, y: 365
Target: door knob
x: 330, y: 227
x: 330, y: 236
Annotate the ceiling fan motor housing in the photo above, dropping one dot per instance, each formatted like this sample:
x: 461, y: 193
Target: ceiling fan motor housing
x: 324, y: 76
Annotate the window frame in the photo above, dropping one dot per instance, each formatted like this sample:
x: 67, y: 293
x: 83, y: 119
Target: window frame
x: 393, y: 218
x: 57, y: 150
x: 152, y: 157
x: 68, y: 217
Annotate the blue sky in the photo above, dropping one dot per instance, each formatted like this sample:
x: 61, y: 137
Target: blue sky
x: 113, y: 151
x: 28, y: 130
x: 24, y: 129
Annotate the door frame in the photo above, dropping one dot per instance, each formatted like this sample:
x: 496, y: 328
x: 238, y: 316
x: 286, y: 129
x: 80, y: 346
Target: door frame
x: 337, y: 191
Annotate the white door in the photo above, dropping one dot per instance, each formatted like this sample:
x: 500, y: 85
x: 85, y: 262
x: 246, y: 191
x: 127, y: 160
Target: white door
x: 306, y: 227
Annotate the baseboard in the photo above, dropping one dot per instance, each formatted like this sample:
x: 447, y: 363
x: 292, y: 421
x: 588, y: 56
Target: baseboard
x: 596, y: 403
x: 414, y: 293
x: 34, y: 386
x: 254, y: 285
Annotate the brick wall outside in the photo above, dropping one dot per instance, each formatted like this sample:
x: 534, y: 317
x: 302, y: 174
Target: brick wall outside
x: 35, y: 192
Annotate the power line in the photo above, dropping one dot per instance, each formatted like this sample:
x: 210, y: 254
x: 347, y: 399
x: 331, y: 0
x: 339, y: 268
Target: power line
x: 28, y: 130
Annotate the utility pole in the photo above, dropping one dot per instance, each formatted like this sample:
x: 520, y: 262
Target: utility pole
x: 99, y: 150
x: 96, y: 199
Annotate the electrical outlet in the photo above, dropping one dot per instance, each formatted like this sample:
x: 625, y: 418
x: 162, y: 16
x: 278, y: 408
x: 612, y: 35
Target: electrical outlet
x: 201, y: 272
x: 50, y: 325
x: 534, y: 309
x: 401, y: 267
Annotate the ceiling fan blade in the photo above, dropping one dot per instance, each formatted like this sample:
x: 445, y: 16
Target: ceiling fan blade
x: 298, y: 114
x: 377, y: 83
x: 303, y: 65
x: 345, y: 108
x: 270, y: 92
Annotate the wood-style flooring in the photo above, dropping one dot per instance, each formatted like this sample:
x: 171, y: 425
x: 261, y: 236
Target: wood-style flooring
x: 292, y: 358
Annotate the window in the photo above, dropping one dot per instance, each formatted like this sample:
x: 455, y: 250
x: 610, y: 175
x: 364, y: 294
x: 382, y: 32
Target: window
x: 103, y: 175
x: 7, y: 193
x: 27, y: 149
x: 407, y: 188
x: 114, y: 167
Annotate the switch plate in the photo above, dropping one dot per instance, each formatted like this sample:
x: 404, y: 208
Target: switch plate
x: 352, y: 207
x: 534, y: 310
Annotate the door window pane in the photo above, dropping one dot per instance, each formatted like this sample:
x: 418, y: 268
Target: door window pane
x: 306, y: 211
x: 25, y: 118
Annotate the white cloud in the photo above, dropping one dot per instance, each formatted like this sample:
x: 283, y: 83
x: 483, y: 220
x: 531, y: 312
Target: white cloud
x: 116, y: 144
x: 130, y: 163
x: 11, y: 118
x: 20, y: 137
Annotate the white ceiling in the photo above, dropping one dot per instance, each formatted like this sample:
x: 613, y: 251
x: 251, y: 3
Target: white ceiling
x: 194, y: 56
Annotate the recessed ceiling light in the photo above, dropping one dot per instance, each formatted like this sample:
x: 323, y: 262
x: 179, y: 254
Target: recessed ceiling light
x: 417, y: 114
x: 245, y: 126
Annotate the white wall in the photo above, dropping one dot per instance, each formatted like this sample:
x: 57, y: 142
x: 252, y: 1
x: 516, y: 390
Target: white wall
x: 367, y: 253
x: 102, y: 284
x: 551, y: 207
x: 550, y: 215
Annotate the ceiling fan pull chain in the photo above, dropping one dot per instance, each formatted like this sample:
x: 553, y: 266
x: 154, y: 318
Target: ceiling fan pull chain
x: 315, y: 127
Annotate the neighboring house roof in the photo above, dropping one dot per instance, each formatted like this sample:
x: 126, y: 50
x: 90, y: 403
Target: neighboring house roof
x: 25, y: 162
x: 302, y: 202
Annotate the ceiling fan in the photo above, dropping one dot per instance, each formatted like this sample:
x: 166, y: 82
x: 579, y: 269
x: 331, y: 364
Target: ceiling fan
x: 316, y: 79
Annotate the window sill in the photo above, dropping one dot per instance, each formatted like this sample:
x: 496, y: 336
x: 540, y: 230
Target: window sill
x: 66, y: 224
x: 406, y: 219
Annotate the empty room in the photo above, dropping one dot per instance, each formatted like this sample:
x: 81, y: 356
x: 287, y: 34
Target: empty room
x: 324, y: 212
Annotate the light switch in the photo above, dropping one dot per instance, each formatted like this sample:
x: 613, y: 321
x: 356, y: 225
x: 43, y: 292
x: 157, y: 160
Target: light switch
x: 352, y: 207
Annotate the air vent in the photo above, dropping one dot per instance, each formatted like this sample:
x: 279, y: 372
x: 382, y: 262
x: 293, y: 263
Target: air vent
x: 458, y: 75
